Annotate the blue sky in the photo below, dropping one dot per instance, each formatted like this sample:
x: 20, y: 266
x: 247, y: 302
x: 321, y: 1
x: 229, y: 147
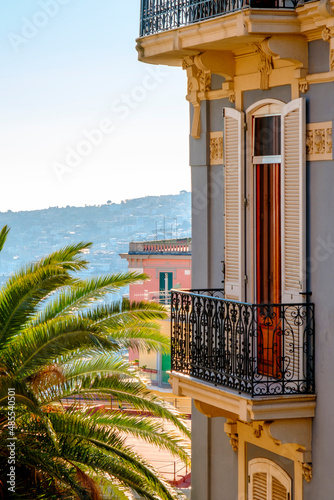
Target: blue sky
x: 82, y: 121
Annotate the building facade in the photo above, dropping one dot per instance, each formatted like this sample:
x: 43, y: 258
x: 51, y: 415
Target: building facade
x: 255, y: 354
x: 168, y: 265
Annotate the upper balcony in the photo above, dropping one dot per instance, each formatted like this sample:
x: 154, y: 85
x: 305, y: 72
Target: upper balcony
x: 173, y: 30
x: 156, y: 247
x: 164, y: 15
x: 225, y: 351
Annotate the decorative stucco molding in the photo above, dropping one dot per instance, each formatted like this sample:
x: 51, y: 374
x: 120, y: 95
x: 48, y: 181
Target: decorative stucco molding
x: 257, y: 430
x: 194, y: 86
x: 326, y: 34
x: 230, y: 429
x: 216, y: 148
x: 331, y: 60
x: 307, y: 471
x: 231, y: 97
x: 234, y: 442
x: 265, y: 66
x: 303, y: 86
x: 319, y: 141
x: 204, y: 81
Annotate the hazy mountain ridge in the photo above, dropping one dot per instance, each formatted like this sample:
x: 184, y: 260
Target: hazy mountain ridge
x: 110, y: 227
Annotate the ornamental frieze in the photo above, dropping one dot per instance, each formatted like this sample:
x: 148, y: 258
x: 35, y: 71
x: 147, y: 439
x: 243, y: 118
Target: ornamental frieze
x: 216, y: 148
x: 319, y: 141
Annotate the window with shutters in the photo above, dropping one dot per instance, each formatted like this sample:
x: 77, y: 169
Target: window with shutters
x: 267, y: 481
x: 276, y: 136
x: 264, y: 257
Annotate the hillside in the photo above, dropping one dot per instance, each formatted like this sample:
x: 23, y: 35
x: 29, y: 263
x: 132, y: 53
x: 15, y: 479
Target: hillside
x: 110, y: 227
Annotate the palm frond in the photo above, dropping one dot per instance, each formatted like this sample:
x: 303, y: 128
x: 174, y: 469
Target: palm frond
x: 41, y: 345
x: 99, y: 448
x: 150, y: 430
x: 130, y: 391
x: 110, y: 364
x: 3, y: 236
x: 85, y: 293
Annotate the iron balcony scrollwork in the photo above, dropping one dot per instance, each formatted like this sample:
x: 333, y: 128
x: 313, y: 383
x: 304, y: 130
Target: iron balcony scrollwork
x: 164, y: 15
x: 258, y: 349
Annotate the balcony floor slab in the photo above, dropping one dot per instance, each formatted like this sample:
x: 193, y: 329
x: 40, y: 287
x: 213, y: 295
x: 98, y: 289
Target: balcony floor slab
x: 224, y: 402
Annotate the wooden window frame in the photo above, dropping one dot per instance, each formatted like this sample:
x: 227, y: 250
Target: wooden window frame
x: 271, y: 469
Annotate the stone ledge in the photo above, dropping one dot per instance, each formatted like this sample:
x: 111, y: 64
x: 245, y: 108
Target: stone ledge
x: 223, y: 402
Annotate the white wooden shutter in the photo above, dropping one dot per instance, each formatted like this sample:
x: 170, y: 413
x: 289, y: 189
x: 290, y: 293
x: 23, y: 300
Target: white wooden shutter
x: 293, y: 201
x: 267, y: 481
x: 279, y: 491
x: 234, y: 194
x: 259, y: 487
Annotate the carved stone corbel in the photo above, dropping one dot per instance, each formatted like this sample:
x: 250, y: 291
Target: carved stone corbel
x: 196, y: 125
x: 291, y: 48
x: 307, y: 471
x: 325, y: 8
x: 231, y: 97
x: 219, y: 62
x: 193, y: 88
x: 257, y: 430
x: 303, y: 86
x: 234, y: 441
x: 265, y: 65
x: 230, y: 429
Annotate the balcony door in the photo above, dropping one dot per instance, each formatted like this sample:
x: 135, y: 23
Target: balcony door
x: 267, y: 172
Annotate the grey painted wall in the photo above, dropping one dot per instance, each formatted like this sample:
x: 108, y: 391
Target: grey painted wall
x: 200, y: 449
x: 200, y: 225
x: 320, y: 102
x: 216, y: 221
x: 207, y: 218
x: 318, y: 56
x: 252, y: 96
x: 321, y: 267
x: 217, y: 82
x: 214, y: 473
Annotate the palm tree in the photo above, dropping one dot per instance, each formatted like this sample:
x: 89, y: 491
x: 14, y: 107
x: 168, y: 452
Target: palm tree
x: 61, y: 338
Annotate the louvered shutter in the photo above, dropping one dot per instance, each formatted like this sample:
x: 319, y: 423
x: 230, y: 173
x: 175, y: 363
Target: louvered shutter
x: 267, y: 481
x: 279, y: 492
x: 293, y: 201
x: 259, y: 486
x: 234, y: 193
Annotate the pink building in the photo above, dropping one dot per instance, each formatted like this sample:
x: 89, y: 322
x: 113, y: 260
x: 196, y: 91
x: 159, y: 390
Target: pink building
x: 168, y: 263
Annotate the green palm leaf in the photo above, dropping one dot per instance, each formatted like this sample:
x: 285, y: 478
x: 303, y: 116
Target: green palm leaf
x: 3, y: 236
x: 61, y: 338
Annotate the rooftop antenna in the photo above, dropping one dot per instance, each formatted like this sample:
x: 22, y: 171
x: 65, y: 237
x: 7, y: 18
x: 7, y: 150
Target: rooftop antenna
x: 164, y: 228
x: 156, y: 230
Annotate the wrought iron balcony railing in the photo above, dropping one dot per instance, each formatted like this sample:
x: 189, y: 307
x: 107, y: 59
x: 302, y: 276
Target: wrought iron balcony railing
x: 261, y: 350
x: 163, y: 15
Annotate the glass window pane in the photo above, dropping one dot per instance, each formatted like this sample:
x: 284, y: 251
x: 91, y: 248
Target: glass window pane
x: 267, y: 136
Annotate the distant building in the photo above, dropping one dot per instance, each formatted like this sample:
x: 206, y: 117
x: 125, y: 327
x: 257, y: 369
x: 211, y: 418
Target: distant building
x: 168, y: 263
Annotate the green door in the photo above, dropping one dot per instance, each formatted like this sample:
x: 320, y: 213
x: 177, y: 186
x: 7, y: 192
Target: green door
x: 165, y: 367
x: 165, y: 285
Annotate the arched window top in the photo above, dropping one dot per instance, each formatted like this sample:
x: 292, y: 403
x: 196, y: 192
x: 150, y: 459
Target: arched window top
x: 268, y: 481
x: 265, y: 107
